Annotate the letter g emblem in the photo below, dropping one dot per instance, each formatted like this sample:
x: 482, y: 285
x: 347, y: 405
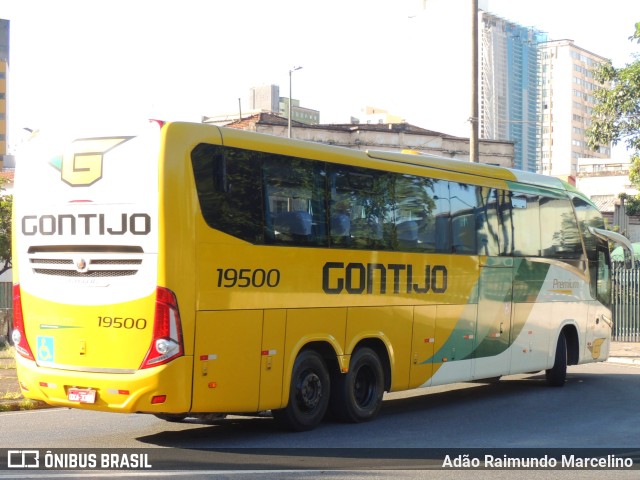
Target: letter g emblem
x: 82, y: 163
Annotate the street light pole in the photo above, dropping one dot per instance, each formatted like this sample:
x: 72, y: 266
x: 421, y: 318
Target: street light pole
x: 290, y: 100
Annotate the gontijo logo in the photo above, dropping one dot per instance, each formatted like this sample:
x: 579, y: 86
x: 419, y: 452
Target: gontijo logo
x: 81, y: 166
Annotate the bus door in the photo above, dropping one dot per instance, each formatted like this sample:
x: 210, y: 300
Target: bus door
x: 599, y: 320
x: 493, y: 329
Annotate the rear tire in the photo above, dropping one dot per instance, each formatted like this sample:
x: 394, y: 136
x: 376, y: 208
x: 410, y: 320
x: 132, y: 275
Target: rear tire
x: 308, y: 395
x: 357, y: 395
x: 171, y: 417
x: 557, y: 375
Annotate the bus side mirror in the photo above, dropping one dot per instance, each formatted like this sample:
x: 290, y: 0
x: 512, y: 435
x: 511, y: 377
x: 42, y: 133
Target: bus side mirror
x: 629, y: 257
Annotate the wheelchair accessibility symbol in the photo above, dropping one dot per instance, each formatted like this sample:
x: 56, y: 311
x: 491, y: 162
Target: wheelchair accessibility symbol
x: 45, y: 349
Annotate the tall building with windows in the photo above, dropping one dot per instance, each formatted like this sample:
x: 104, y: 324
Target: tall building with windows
x: 567, y: 104
x: 267, y: 98
x: 4, y: 71
x: 264, y: 98
x: 509, y: 78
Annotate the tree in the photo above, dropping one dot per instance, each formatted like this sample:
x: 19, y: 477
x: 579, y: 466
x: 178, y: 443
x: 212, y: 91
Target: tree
x: 616, y: 115
x: 6, y: 206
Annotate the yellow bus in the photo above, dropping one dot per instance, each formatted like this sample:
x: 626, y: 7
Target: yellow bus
x: 186, y: 270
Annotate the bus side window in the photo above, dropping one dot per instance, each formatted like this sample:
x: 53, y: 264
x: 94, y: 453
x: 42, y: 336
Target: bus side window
x: 487, y: 223
x: 505, y: 220
x: 229, y: 190
x: 559, y: 233
x: 526, y: 224
x: 360, y: 207
x: 464, y: 202
x: 295, y: 201
x: 588, y: 216
x: 415, y: 210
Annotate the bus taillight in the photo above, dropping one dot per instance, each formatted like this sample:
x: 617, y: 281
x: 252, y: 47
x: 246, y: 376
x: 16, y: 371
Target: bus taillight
x: 18, y: 336
x: 166, y: 343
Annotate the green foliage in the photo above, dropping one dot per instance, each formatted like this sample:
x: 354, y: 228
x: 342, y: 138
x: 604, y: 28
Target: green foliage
x: 6, y: 206
x: 616, y: 115
x: 636, y: 35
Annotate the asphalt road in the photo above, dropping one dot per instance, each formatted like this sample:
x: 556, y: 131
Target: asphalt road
x: 596, y: 409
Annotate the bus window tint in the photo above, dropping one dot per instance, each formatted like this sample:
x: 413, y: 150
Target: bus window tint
x: 415, y: 211
x: 295, y: 207
x: 229, y: 190
x: 526, y: 224
x: 559, y: 235
x: 588, y: 216
x: 440, y: 229
x: 434, y: 222
x: 505, y: 216
x: 464, y: 201
x: 360, y: 207
x: 487, y: 223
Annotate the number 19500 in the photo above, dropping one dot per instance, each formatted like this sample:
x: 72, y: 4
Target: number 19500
x: 122, y: 322
x: 246, y: 277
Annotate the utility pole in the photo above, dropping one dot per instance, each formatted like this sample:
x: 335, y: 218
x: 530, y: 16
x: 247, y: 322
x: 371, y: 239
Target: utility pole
x: 475, y: 120
x: 290, y: 100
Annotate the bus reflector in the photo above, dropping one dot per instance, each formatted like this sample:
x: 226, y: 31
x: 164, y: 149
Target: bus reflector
x: 158, y: 399
x: 18, y: 335
x: 166, y: 343
x: 114, y: 391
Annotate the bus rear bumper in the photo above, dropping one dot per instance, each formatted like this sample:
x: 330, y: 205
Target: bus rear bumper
x: 163, y: 389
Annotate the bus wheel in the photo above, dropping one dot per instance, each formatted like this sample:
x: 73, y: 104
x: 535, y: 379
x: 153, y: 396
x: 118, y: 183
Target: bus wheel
x: 308, y: 395
x: 357, y: 395
x: 171, y: 417
x: 557, y: 375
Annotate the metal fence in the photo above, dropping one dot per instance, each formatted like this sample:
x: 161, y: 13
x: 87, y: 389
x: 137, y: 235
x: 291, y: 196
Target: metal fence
x: 625, y: 291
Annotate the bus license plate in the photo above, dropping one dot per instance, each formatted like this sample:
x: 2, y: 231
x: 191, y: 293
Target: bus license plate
x: 81, y: 395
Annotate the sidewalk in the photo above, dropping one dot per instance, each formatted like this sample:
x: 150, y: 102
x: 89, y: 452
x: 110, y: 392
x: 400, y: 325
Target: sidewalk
x: 624, y: 352
x: 12, y: 399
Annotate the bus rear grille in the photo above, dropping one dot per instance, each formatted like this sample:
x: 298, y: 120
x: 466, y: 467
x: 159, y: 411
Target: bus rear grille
x: 92, y: 274
x: 85, y: 261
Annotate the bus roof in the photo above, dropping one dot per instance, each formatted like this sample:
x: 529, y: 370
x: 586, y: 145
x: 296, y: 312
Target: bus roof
x: 477, y: 169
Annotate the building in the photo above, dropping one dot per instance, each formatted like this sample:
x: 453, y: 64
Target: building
x: 4, y: 72
x: 567, y: 102
x: 376, y: 115
x: 300, y: 114
x: 508, y: 74
x: 393, y: 137
x: 267, y: 99
x: 603, y: 180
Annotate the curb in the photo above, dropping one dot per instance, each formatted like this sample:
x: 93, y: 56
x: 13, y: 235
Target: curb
x: 625, y: 360
x: 22, y: 405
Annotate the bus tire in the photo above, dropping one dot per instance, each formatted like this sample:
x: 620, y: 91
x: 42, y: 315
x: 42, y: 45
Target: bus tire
x: 171, y: 417
x: 308, y: 395
x: 357, y: 395
x: 557, y: 374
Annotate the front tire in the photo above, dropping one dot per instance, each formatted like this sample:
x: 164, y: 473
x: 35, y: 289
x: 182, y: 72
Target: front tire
x: 357, y: 395
x: 308, y: 395
x: 557, y: 375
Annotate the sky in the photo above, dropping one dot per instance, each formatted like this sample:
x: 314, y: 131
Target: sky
x: 78, y: 61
